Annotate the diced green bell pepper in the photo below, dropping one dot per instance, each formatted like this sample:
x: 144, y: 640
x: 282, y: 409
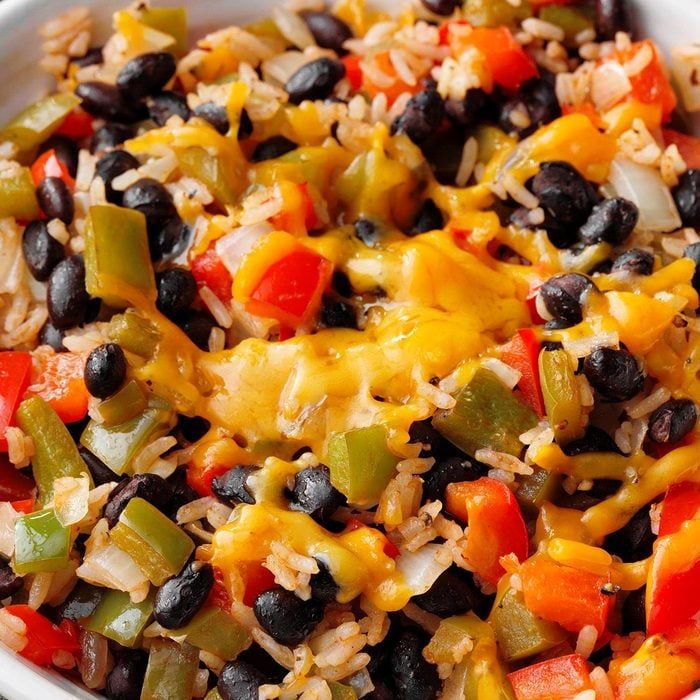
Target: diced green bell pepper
x: 519, y: 633
x: 213, y: 694
x: 210, y: 170
x: 537, y: 488
x: 494, y: 13
x: 487, y: 415
x: 134, y: 333
x: 154, y: 542
x: 117, y: 618
x: 562, y: 396
x: 55, y: 452
x: 339, y: 691
x: 41, y: 543
x: 127, y: 403
x: 216, y: 632
x: 117, y: 259
x: 573, y: 20
x: 117, y: 445
x: 18, y: 197
x: 37, y: 122
x: 171, y: 671
x: 169, y: 20
x: 361, y: 464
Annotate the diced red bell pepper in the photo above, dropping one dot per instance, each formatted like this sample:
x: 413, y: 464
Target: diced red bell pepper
x: 291, y: 288
x: 48, y: 164
x: 218, y: 596
x: 14, y: 486
x: 77, y: 125
x: 15, y: 370
x: 682, y: 502
x: 496, y: 525
x: 209, y: 271
x: 257, y: 579
x: 200, y: 479
x: 25, y: 506
x: 399, y: 87
x: 561, y: 678
x: 688, y: 146
x: 522, y: 353
x: 44, y: 638
x: 570, y: 597
x: 353, y: 72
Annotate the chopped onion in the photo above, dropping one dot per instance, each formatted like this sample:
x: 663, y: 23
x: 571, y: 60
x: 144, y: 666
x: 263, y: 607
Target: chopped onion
x: 685, y: 65
x: 643, y: 185
x: 609, y: 85
x: 234, y: 246
x: 70, y: 500
x: 8, y: 517
x: 280, y: 68
x: 422, y: 568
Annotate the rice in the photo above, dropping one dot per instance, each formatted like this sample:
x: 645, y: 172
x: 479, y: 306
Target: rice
x: 519, y: 192
x: 470, y: 153
x: 399, y: 500
x: 543, y: 30
x: 216, y: 307
x: 217, y: 340
x: 503, y: 461
x: 640, y: 407
x: 292, y: 27
x: 20, y: 447
x: 291, y: 570
x: 586, y: 640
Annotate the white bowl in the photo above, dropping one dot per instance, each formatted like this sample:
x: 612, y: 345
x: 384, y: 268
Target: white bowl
x: 669, y: 22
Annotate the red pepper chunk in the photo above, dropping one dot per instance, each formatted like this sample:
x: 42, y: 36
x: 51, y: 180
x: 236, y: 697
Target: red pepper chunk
x: 209, y: 271
x: 570, y: 597
x: 688, y: 146
x: 554, y: 679
x: 291, y: 288
x: 496, y: 525
x: 257, y: 579
x: 44, y: 638
x: 14, y: 486
x: 14, y: 378
x: 200, y: 479
x: 522, y: 353
x: 682, y: 502
x: 353, y: 72
x: 77, y: 125
x: 48, y: 164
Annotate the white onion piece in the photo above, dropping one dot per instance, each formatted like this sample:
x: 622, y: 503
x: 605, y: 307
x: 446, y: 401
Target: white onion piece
x: 8, y: 517
x: 685, y: 65
x: 281, y: 67
x: 70, y: 500
x: 234, y: 246
x: 422, y: 568
x: 643, y: 185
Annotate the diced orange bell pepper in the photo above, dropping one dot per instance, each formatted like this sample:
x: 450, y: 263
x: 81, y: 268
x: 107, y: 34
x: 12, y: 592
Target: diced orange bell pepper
x: 688, y: 146
x: 384, y: 64
x: 496, y: 525
x: 522, y: 353
x: 682, y: 502
x: 561, y: 678
x: 570, y: 597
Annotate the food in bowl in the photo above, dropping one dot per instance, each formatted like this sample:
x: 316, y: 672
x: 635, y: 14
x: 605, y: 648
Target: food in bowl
x: 349, y: 355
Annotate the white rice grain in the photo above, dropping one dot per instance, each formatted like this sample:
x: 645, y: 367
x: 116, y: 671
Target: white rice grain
x: 543, y: 30
x: 217, y: 307
x: 470, y: 153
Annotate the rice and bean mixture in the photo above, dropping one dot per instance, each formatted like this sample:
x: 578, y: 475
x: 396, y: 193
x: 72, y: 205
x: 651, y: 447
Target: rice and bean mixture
x: 354, y: 355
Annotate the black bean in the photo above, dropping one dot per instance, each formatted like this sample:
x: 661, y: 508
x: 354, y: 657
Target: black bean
x: 434, y: 444
x: 81, y: 602
x: 477, y: 106
x: 193, y: 428
x: 92, y: 58
x: 182, y: 492
x: 634, y: 616
x: 341, y: 284
x: 42, y: 252
x: 611, y: 16
x: 245, y: 126
x: 259, y: 659
x: 614, y: 374
x: 635, y: 261
x: 146, y: 74
x: 66, y: 298
x: 444, y: 472
x: 367, y: 231
x: 239, y: 680
x: 169, y: 240
x: 109, y: 136
x: 125, y: 680
x: 100, y: 472
x: 215, y: 114
x: 441, y: 7
x: 105, y: 370
x: 451, y: 594
x: 692, y: 251
x: 381, y: 691
x: 112, y: 165
x: 52, y: 336
x: 10, y: 582
x: 177, y: 290
x: 166, y: 104
x: 422, y: 116
x: 107, y: 102
x: 231, y: 486
x: 329, y: 31
x: 414, y: 678
x: 538, y: 100
x: 313, y: 493
x: 635, y: 540
x: 323, y: 586
x: 151, y: 487
x: 152, y: 199
x: 338, y: 314
x: 672, y: 421
x: 197, y: 326
x: 564, y: 296
x: 611, y: 221
x: 314, y: 80
x: 55, y: 199
x: 443, y: 152
x: 594, y: 440
x: 287, y: 619
x: 180, y: 598
x: 429, y: 218
x: 66, y: 151
x: 687, y: 196
x: 274, y: 147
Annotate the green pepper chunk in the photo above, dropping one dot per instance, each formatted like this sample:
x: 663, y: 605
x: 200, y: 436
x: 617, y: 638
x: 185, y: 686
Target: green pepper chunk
x: 573, y: 20
x: 134, y: 333
x: 213, y: 694
x: 519, y: 633
x: 41, y: 543
x: 119, y: 619
x: 211, y: 170
x: 494, y: 13
x: 154, y: 542
x: 487, y: 415
x: 562, y: 396
x: 339, y: 691
x: 36, y: 123
x: 126, y: 404
x: 55, y: 452
x: 17, y: 196
x: 361, y: 464
x: 216, y: 632
x: 171, y: 671
x: 537, y: 488
x: 117, y: 445
x: 169, y: 20
x: 117, y: 259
